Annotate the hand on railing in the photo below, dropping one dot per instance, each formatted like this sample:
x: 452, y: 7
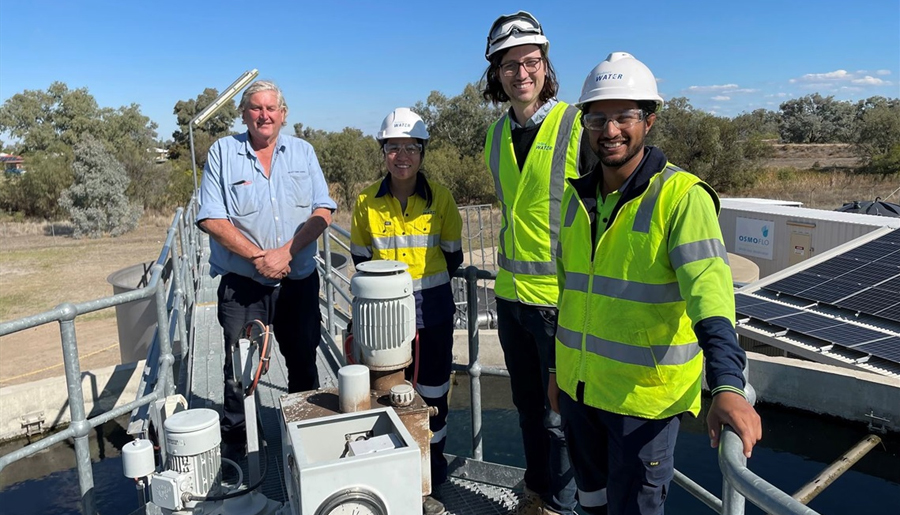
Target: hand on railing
x: 733, y: 409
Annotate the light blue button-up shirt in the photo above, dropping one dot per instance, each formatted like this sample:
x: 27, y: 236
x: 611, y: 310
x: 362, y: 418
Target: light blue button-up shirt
x: 267, y: 210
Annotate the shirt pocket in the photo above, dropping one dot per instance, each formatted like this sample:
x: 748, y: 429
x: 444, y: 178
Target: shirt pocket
x: 300, y: 188
x: 243, y: 199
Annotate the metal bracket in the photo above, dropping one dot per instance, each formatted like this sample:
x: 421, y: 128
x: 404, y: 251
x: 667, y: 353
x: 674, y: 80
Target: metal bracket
x: 33, y: 423
x: 876, y: 423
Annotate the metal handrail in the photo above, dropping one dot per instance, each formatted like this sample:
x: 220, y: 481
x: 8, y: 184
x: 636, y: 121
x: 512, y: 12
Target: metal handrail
x: 171, y: 310
x: 738, y: 481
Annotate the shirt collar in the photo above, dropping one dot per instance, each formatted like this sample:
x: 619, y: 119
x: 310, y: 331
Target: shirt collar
x: 385, y: 187
x: 536, y: 118
x: 245, y: 147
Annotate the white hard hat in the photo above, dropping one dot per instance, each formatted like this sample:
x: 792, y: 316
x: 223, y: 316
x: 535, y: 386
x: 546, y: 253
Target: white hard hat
x: 511, y: 30
x: 402, y: 123
x: 620, y: 77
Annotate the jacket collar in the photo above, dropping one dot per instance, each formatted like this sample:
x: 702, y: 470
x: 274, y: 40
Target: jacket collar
x: 421, y: 183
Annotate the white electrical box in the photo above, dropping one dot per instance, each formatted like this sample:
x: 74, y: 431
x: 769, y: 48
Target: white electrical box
x: 366, y: 459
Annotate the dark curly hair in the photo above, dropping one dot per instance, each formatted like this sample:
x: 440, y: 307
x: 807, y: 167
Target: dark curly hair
x: 493, y: 89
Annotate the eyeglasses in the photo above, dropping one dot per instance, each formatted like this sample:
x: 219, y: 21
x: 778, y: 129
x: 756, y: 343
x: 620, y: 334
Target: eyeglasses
x: 392, y: 149
x: 624, y: 120
x: 511, y: 68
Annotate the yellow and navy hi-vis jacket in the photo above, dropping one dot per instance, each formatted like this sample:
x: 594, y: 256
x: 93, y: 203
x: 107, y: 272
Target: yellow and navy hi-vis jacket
x: 426, y: 236
x: 530, y: 203
x: 632, y: 293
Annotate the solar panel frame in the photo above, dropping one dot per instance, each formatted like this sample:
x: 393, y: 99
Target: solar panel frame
x: 887, y: 349
x: 847, y: 335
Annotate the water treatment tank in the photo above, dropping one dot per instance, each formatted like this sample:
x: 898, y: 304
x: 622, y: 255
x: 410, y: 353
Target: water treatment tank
x: 384, y: 314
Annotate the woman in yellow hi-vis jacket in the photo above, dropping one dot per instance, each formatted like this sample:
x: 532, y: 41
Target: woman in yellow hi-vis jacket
x: 406, y: 218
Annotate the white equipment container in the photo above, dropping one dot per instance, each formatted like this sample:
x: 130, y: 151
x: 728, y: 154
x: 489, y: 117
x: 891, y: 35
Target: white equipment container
x: 379, y: 474
x: 384, y: 314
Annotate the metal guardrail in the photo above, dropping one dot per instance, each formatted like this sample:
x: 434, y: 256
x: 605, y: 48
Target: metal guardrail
x: 173, y: 317
x: 171, y: 307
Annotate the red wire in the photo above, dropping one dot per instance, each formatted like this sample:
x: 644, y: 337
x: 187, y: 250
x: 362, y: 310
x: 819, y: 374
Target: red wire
x: 263, y: 366
x: 416, y: 364
x: 348, y: 350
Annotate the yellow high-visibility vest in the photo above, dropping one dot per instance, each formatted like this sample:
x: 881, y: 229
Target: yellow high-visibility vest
x: 530, y: 201
x: 623, y: 328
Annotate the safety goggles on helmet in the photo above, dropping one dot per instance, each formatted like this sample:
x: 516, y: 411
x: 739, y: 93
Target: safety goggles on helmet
x: 520, y: 25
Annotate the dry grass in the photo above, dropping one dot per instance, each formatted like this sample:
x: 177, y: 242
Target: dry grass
x: 822, y: 190
x: 39, y: 270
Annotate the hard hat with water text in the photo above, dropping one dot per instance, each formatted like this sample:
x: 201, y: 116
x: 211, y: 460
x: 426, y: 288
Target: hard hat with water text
x: 620, y: 77
x: 402, y: 123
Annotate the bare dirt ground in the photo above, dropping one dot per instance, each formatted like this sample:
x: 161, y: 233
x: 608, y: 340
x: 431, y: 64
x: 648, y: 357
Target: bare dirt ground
x: 41, y: 266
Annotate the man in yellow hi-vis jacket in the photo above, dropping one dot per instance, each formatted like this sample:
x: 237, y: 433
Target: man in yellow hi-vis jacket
x: 645, y: 295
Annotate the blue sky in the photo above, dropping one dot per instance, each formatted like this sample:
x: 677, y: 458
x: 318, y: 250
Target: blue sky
x: 349, y: 63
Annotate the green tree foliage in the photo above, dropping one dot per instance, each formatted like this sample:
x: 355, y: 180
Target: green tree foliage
x: 465, y: 176
x: 96, y: 200
x: 708, y: 146
x: 760, y: 123
x: 878, y: 134
x: 461, y: 121
x: 350, y: 161
x: 217, y: 126
x: 51, y: 121
x: 816, y: 119
x: 36, y: 193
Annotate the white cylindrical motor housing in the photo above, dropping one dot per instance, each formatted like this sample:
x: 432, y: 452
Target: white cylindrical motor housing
x: 384, y: 314
x: 137, y: 458
x: 192, y: 445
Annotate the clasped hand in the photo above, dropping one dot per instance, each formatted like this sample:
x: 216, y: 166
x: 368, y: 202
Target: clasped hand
x: 273, y: 263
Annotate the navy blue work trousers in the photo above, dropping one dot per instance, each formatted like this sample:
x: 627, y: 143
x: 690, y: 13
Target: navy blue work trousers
x: 622, y: 464
x: 292, y: 309
x: 527, y: 336
x: 435, y: 358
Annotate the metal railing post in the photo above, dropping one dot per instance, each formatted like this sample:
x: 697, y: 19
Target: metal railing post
x: 474, y: 368
x: 166, y: 359
x: 79, y: 425
x: 329, y: 277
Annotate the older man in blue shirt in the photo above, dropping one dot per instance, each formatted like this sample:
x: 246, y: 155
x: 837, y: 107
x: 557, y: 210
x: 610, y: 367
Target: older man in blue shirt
x: 264, y: 202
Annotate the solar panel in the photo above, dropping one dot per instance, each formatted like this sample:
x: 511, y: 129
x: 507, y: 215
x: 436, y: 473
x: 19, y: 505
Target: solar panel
x: 871, y: 274
x: 742, y: 300
x: 767, y: 311
x: 893, y: 236
x: 846, y: 335
x: 795, y: 283
x: 891, y: 313
x: 829, y: 291
x: 888, y: 348
x: 891, y: 285
x: 870, y: 301
x: 805, y: 323
x: 873, y: 251
x: 835, y: 267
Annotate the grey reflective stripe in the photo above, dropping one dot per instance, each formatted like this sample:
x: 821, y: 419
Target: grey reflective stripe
x: 431, y: 281
x: 697, y: 250
x: 406, y: 241
x: 568, y: 337
x: 577, y: 282
x: 634, y: 291
x: 645, y: 211
x: 451, y: 246
x: 558, y: 170
x: 527, y: 267
x: 494, y: 164
x: 641, y: 356
x: 571, y: 211
x: 359, y: 250
x: 630, y: 354
x: 433, y: 392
